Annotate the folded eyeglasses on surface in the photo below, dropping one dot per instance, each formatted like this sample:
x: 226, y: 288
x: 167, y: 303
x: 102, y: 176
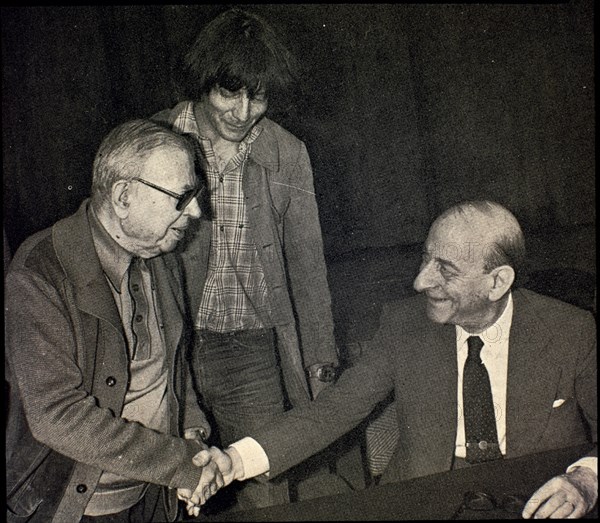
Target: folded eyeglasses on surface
x: 481, y: 502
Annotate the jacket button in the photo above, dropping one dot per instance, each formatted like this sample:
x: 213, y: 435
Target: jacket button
x: 81, y: 488
x: 111, y: 381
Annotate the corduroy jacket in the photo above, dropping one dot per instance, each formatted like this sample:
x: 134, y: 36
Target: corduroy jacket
x: 67, y: 367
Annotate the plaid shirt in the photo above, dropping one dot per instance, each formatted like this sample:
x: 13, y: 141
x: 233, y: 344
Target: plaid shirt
x: 235, y: 295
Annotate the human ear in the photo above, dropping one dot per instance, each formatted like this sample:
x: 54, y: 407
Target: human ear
x: 120, y: 195
x: 503, y: 278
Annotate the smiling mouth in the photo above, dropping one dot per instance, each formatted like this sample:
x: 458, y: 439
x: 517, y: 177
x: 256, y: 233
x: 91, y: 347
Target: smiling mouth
x: 436, y: 300
x: 179, y: 230
x: 236, y: 127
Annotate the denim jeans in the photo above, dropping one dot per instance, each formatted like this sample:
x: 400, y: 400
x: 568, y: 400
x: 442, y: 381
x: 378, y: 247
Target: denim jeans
x: 239, y: 380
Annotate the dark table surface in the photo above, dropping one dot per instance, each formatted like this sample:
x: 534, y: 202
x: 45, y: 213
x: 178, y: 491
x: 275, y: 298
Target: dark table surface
x: 432, y: 497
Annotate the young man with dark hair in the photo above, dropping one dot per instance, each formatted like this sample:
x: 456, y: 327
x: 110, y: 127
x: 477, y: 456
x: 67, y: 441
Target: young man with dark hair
x: 255, y: 272
x: 102, y: 412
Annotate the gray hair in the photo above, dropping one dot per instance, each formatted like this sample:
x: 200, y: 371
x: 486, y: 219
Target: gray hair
x: 508, y: 247
x: 123, y: 150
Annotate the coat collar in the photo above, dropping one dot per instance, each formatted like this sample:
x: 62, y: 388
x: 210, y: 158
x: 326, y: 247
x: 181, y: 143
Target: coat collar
x: 74, y: 246
x: 264, y: 150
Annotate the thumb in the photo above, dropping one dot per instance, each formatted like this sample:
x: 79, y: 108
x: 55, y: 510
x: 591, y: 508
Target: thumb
x: 202, y: 458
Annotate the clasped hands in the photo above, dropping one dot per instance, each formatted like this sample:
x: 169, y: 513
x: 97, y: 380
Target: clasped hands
x: 219, y: 469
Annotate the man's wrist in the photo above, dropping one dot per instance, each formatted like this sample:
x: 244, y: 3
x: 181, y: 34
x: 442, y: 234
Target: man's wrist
x: 237, y: 465
x: 590, y: 462
x: 252, y: 458
x: 324, y: 372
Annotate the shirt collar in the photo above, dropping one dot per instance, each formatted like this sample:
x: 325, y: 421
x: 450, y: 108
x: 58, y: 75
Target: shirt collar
x: 185, y: 121
x: 496, y: 333
x: 113, y: 258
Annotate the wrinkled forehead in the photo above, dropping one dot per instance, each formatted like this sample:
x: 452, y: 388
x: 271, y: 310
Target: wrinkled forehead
x: 458, y: 238
x: 170, y: 162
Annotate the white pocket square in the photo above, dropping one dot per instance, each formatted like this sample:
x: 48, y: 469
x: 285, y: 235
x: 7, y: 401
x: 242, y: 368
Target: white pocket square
x: 557, y: 403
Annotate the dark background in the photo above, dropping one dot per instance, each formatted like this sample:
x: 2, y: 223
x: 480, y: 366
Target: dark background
x: 405, y: 109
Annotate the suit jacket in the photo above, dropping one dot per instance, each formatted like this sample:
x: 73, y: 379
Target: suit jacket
x: 282, y: 211
x: 67, y: 365
x: 552, y: 355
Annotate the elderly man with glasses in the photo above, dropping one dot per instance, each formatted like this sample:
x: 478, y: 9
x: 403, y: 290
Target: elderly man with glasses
x: 102, y: 413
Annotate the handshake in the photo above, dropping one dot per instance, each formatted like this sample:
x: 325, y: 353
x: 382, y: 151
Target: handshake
x: 219, y: 469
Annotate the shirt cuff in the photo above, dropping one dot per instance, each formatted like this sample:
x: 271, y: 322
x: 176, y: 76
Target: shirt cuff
x: 590, y: 462
x: 254, y: 459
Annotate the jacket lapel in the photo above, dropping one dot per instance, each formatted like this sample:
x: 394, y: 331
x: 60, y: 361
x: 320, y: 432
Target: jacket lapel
x: 265, y: 149
x: 72, y: 239
x: 533, y: 378
x: 442, y: 402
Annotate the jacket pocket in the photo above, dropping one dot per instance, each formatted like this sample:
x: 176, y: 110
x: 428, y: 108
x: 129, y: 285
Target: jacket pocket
x: 22, y: 505
x: 41, y: 490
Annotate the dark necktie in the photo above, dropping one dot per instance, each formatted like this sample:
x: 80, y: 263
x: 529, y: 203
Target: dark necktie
x: 139, y: 311
x: 478, y: 407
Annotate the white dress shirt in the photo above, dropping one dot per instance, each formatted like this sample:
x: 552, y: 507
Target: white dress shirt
x: 494, y: 355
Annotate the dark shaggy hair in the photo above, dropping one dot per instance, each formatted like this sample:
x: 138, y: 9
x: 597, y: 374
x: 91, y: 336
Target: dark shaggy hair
x: 236, y: 49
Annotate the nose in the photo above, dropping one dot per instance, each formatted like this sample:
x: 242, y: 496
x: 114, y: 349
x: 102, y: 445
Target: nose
x: 241, y: 109
x: 427, y: 277
x: 193, y: 209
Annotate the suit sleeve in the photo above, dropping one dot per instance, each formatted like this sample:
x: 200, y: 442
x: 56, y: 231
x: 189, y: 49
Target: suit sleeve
x: 304, y: 431
x: 586, y: 378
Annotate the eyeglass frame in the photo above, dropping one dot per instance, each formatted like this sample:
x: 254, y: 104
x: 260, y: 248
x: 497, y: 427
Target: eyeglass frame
x: 183, y: 200
x: 492, y: 503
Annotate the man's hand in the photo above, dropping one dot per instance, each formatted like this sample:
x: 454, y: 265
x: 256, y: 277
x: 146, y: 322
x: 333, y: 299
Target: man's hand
x: 229, y: 466
x: 197, y: 433
x: 569, y: 496
x: 200, y: 435
x: 228, y: 461
x: 320, y: 376
x: 211, y: 480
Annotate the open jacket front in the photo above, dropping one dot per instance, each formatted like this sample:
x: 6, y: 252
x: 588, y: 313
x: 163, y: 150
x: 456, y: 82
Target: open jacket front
x: 283, y: 216
x: 67, y: 367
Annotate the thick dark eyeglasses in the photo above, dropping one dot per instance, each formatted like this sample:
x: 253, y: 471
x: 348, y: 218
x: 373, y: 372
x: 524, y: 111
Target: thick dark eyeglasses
x: 481, y: 501
x: 183, y: 200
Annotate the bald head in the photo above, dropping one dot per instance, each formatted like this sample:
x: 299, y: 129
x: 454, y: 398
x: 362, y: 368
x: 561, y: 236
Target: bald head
x: 470, y: 260
x: 496, y: 227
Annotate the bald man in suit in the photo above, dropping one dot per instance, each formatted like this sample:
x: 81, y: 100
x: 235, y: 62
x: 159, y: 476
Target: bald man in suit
x: 539, y: 356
